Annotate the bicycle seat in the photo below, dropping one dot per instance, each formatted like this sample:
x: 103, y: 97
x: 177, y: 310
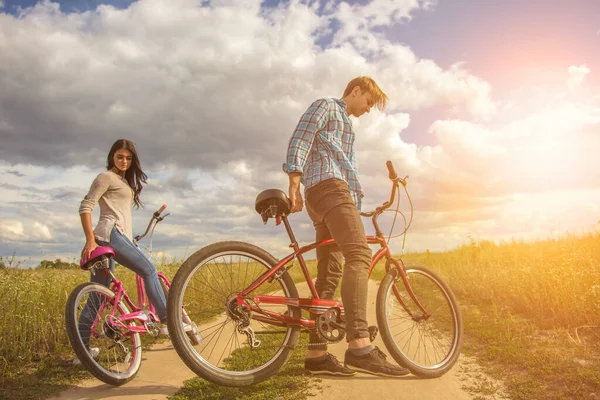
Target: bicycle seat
x: 102, y: 254
x: 272, y: 203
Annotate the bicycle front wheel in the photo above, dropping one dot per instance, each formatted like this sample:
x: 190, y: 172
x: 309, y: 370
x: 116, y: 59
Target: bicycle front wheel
x: 236, y: 347
x: 110, y: 353
x: 427, y: 345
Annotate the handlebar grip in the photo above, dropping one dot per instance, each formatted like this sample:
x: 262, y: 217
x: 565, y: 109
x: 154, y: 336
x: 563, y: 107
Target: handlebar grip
x: 160, y: 210
x: 393, y: 175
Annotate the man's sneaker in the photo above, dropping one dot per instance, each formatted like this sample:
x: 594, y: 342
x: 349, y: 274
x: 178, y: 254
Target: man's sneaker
x: 327, y: 365
x: 373, y: 363
x: 94, y: 351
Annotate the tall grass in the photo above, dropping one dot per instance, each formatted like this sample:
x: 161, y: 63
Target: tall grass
x: 553, y: 283
x: 531, y: 313
x: 32, y: 304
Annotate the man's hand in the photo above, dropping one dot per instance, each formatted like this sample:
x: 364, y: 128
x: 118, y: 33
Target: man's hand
x: 296, y: 202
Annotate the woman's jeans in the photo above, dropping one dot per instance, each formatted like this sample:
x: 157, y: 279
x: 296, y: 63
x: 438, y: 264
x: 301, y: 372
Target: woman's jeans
x: 334, y: 214
x: 130, y: 256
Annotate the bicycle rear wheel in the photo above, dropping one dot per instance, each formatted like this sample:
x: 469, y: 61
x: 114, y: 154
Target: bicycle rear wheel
x: 427, y: 346
x: 119, y: 352
x: 237, y: 348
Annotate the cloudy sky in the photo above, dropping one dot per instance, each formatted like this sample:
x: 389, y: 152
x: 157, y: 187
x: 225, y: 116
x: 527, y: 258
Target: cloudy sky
x: 494, y: 113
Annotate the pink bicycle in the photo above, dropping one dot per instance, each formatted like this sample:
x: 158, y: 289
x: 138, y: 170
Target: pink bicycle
x: 105, y: 327
x: 250, y: 314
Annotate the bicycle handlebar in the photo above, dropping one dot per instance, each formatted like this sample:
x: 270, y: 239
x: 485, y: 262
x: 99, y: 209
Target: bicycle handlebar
x: 395, y: 180
x: 393, y: 175
x: 160, y: 210
x: 155, y: 217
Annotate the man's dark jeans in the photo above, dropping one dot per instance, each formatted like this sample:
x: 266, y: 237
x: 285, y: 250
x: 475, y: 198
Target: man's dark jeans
x: 335, y: 215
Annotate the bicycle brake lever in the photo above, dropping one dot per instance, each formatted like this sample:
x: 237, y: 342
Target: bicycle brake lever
x: 158, y: 219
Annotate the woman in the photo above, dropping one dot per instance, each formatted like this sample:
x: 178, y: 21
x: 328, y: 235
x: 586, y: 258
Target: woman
x: 116, y: 190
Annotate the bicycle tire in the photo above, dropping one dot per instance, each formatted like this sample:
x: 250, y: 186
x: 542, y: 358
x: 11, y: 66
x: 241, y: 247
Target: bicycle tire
x: 427, y: 347
x: 113, y: 365
x: 205, y: 283
x: 193, y: 332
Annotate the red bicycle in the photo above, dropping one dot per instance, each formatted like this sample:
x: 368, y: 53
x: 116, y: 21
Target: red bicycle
x: 250, y: 316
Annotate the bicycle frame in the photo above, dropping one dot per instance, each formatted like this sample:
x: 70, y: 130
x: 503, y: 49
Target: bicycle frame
x: 316, y: 305
x: 139, y: 313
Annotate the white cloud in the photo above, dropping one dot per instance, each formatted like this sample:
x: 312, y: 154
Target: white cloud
x: 240, y: 170
x: 359, y: 20
x: 11, y: 230
x: 40, y: 231
x: 211, y: 95
x: 576, y: 76
x: 544, y: 151
x: 208, y: 85
x: 526, y: 177
x: 420, y: 83
x: 16, y: 230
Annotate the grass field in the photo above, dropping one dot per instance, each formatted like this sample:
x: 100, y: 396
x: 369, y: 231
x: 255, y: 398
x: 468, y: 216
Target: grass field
x: 35, y: 354
x: 531, y: 310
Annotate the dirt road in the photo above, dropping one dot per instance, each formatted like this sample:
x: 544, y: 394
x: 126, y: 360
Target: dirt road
x: 161, y: 364
x: 162, y: 374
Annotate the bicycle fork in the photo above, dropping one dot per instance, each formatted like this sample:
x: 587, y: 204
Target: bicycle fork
x: 399, y: 274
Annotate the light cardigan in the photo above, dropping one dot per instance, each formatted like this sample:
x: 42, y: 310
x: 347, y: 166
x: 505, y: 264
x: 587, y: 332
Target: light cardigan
x: 115, y: 198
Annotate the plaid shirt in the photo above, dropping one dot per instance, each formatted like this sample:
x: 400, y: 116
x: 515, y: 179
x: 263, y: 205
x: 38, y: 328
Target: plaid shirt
x: 322, y: 147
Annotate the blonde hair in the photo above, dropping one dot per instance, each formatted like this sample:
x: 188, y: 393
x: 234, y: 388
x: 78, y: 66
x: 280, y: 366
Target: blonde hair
x: 366, y: 83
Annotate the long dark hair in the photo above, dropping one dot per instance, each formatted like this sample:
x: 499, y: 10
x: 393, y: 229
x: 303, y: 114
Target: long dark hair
x: 134, y: 174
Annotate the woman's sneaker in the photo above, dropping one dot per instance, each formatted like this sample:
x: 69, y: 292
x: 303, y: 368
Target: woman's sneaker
x: 374, y: 363
x: 163, y: 330
x: 94, y: 351
x: 327, y: 365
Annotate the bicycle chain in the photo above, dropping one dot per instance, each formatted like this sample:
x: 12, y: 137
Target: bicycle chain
x: 371, y: 337
x: 305, y: 345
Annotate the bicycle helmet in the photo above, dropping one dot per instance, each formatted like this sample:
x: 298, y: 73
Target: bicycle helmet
x: 99, y: 258
x: 272, y: 203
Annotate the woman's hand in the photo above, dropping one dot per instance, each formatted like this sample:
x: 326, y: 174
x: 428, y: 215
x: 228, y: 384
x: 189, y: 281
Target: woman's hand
x: 87, y: 249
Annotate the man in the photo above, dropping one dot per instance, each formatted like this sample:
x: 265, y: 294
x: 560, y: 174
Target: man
x: 321, y: 155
